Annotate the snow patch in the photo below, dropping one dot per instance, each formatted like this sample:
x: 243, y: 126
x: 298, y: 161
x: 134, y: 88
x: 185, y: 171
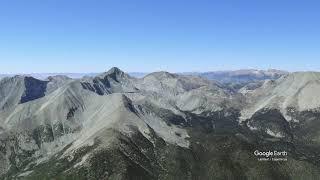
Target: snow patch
x: 83, y: 160
x: 25, y: 173
x: 274, y: 134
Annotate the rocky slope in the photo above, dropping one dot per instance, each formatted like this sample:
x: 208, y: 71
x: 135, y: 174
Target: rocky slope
x: 294, y: 99
x: 294, y: 92
x: 161, y: 126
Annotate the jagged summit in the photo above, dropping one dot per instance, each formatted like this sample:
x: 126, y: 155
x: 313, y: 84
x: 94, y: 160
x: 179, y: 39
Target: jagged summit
x: 111, y: 81
x: 114, y: 73
x: 115, y: 70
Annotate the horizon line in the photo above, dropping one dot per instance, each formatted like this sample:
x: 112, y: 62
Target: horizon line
x: 177, y: 72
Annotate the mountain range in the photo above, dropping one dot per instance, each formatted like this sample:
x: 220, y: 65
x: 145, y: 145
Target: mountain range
x: 242, y: 75
x: 160, y: 125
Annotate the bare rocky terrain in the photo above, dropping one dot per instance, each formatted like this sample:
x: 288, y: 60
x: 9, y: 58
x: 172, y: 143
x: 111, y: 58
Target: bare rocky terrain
x: 160, y: 126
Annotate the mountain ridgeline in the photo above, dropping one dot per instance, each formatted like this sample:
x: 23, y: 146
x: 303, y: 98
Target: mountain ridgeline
x: 160, y: 126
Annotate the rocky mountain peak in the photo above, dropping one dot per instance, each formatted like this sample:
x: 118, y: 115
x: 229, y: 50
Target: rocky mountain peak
x: 114, y: 73
x: 115, y: 70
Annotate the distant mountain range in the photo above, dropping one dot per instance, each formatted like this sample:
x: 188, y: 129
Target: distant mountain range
x: 237, y: 76
x: 243, y: 76
x: 161, y: 126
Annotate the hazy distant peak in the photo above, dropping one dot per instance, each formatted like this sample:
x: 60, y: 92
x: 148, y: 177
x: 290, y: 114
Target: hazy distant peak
x: 58, y: 77
x: 243, y: 75
x: 277, y: 70
x: 162, y: 75
x: 249, y: 71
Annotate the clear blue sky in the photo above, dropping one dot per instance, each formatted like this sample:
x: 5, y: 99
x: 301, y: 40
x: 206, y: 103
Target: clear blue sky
x: 150, y: 35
